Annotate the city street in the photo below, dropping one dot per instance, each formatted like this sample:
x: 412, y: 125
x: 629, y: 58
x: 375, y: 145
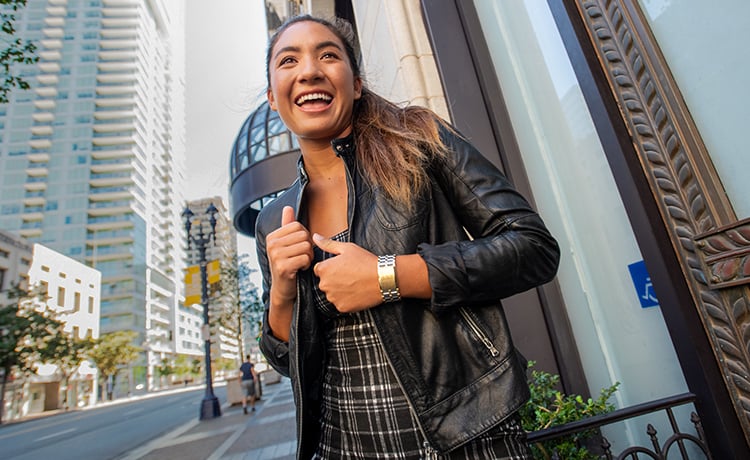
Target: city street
x: 161, y: 427
x: 105, y: 432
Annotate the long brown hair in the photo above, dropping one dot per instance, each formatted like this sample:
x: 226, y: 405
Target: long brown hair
x: 394, y: 144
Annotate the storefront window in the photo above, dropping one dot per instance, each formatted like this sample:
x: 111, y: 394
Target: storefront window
x: 700, y: 41
x: 620, y: 337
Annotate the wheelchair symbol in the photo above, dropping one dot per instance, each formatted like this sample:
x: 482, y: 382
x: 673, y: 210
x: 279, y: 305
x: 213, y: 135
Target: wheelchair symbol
x: 648, y: 291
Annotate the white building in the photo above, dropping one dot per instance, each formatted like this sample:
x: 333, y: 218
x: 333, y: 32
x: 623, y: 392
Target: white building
x: 73, y: 293
x: 92, y: 158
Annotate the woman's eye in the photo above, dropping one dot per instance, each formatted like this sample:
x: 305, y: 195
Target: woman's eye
x: 329, y: 56
x: 286, y: 60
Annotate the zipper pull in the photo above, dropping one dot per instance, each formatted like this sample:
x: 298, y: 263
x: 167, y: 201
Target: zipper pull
x: 431, y: 454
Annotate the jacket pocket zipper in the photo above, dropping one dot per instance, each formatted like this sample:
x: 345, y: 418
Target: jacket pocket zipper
x: 479, y: 333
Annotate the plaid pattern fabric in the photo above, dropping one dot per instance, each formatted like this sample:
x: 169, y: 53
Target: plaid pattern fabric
x: 365, y: 414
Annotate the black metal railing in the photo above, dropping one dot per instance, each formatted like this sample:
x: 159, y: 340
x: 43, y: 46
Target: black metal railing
x: 658, y: 450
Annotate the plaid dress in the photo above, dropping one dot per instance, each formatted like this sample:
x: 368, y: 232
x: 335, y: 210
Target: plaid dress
x: 365, y: 413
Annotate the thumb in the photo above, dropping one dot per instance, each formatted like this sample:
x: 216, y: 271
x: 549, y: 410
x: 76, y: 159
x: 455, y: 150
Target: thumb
x: 287, y: 215
x: 327, y: 244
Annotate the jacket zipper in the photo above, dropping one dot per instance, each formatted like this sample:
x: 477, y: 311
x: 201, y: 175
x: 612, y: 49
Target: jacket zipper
x: 479, y: 333
x: 298, y: 386
x: 430, y: 452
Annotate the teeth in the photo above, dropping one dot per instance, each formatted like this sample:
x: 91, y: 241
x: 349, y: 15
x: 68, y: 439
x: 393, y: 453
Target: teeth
x: 311, y: 97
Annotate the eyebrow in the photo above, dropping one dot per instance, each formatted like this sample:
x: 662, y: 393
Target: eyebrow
x: 318, y: 47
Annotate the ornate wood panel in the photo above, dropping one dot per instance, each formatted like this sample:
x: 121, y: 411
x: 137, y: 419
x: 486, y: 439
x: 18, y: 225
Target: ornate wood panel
x: 712, y: 246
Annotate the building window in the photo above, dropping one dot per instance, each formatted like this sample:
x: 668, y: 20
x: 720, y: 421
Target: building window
x: 77, y: 302
x: 60, y: 296
x: 2, y: 279
x: 91, y: 304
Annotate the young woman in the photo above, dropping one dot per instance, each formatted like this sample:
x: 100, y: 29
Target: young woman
x: 383, y: 266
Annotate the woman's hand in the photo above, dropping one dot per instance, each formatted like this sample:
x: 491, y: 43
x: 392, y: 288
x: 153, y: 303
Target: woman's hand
x: 289, y: 250
x: 350, y: 279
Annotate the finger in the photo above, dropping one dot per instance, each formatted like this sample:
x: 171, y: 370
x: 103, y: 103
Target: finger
x: 327, y: 244
x: 287, y: 215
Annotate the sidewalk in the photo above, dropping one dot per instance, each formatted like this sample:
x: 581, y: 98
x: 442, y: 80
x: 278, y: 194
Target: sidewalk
x: 268, y: 433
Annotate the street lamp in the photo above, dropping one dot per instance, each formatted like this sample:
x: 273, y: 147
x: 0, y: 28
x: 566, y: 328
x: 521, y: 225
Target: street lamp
x: 210, y: 405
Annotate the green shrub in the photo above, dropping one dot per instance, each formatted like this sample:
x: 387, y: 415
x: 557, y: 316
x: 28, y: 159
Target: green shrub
x: 549, y: 407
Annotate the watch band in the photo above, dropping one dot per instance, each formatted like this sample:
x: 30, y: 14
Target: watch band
x: 387, y: 278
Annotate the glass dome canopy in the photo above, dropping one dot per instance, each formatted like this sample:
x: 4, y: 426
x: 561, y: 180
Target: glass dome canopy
x: 262, y: 164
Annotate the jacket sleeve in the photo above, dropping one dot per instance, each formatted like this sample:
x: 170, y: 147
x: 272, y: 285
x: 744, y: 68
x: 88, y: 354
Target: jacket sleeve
x: 275, y: 350
x: 509, y: 250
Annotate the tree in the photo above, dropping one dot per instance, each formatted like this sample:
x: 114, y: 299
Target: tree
x: 245, y: 311
x: 67, y: 352
x: 112, y: 351
x: 25, y: 334
x: 13, y: 50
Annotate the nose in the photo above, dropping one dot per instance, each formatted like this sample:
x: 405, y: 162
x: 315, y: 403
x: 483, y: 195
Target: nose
x: 310, y: 70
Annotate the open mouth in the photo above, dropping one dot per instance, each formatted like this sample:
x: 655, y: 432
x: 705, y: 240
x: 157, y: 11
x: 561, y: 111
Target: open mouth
x: 313, y: 100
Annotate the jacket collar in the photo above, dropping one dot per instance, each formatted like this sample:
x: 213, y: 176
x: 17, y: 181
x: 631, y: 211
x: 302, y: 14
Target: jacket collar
x: 344, y: 148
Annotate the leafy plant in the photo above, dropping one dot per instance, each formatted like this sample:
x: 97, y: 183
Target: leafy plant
x: 549, y: 407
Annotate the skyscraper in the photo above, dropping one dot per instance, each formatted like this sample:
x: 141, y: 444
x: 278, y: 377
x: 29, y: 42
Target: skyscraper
x: 92, y: 157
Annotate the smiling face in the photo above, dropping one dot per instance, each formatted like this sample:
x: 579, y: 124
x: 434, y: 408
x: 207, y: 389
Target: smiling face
x: 311, y: 82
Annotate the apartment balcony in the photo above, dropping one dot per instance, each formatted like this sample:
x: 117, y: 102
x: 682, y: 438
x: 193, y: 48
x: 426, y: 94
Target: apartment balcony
x: 45, y: 104
x: 32, y: 214
x: 49, y: 67
x: 119, y: 23
x: 114, y: 127
x: 118, y: 33
x: 37, y: 170
x: 54, y: 21
x: 34, y: 201
x: 108, y: 211
x: 118, y: 55
x: 32, y: 185
x: 113, y: 225
x: 40, y: 144
x: 98, y: 258
x: 57, y: 10
x: 101, y: 115
x: 52, y: 32
x: 121, y: 102
x: 120, y: 3
x: 107, y: 154
x: 51, y: 43
x: 61, y: 3
x: 42, y: 130
x: 111, y: 168
x: 118, y: 77
x: 117, y: 43
x: 31, y: 232
x: 113, y: 140
x: 110, y: 195
x: 116, y: 181
x: 49, y: 55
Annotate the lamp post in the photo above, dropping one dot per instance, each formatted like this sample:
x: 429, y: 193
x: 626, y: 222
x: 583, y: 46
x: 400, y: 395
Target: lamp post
x: 210, y: 405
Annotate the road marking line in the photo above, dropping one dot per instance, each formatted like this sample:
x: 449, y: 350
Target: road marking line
x: 53, y: 435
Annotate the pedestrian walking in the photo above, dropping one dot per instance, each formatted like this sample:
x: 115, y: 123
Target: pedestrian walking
x: 247, y: 382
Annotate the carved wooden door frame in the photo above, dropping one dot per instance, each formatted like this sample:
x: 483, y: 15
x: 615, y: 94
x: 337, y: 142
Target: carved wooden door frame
x: 710, y: 244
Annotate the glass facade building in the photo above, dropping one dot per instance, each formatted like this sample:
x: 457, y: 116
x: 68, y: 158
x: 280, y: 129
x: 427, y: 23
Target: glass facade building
x: 92, y: 156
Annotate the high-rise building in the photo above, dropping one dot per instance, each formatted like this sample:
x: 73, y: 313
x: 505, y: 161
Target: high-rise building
x: 92, y: 157
x: 223, y: 248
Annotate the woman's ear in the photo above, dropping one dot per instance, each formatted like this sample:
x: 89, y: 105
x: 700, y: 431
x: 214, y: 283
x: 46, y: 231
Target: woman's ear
x: 357, y: 87
x: 271, y: 99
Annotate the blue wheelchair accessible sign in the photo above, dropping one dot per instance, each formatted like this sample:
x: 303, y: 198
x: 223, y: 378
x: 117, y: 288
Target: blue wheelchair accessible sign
x: 642, y: 283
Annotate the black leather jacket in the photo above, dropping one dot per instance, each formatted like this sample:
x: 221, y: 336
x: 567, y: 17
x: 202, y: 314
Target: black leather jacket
x: 452, y: 354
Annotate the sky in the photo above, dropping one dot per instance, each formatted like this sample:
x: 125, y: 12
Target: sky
x: 224, y: 81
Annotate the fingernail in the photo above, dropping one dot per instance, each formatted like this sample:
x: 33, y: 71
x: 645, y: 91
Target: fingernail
x: 317, y: 238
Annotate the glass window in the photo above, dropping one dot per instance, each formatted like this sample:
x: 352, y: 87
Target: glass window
x: 712, y: 78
